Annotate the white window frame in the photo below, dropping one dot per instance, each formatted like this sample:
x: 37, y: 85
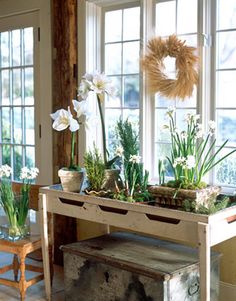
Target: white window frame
x: 43, y: 96
x: 90, y: 11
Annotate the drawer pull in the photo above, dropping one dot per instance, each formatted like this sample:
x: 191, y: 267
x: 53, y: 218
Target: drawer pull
x: 163, y: 219
x: 71, y: 202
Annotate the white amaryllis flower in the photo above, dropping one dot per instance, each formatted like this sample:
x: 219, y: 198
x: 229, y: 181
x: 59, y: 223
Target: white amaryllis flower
x: 81, y: 108
x: 119, y: 151
x: 64, y: 119
x: 134, y: 159
x: 190, y: 162
x: 29, y: 173
x: 5, y: 171
x: 97, y: 82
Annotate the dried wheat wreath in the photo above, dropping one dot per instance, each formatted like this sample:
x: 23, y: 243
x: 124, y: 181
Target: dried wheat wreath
x: 186, y: 62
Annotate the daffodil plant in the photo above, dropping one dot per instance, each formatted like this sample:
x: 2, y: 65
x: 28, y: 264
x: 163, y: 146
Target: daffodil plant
x: 63, y: 119
x: 193, y: 153
x: 16, y: 207
x: 100, y: 85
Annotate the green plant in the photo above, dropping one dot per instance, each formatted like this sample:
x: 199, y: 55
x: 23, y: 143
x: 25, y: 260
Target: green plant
x: 210, y: 206
x: 95, y: 169
x: 192, y: 154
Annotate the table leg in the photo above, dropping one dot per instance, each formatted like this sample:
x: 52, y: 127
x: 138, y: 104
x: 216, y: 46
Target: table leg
x: 45, y: 243
x: 205, y: 261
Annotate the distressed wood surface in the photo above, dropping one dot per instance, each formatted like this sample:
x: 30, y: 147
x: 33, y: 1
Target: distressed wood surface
x: 65, y: 60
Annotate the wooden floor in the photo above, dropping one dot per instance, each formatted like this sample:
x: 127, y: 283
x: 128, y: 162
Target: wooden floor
x: 35, y: 292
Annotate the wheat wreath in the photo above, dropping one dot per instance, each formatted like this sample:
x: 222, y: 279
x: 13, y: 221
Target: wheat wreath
x: 186, y: 72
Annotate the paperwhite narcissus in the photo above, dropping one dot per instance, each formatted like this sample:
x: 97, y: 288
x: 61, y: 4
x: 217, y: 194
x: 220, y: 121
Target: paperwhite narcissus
x: 64, y: 119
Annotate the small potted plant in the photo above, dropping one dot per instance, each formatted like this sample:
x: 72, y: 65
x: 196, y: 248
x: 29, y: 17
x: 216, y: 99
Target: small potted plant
x: 72, y: 176
x: 16, y: 207
x: 191, y: 158
x: 100, y: 85
x: 135, y: 178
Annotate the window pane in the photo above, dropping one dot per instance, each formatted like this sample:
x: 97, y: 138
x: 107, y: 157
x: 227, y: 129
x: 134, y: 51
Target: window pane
x: 6, y: 125
x: 226, y: 121
x: 5, y: 87
x: 113, y: 59
x: 29, y: 126
x: 131, y: 57
x: 226, y: 14
x: 165, y: 26
x: 225, y: 88
x: 5, y: 49
x: 131, y: 91
x: 29, y: 86
x: 225, y: 171
x: 113, y: 26
x: 161, y: 151
x: 187, y: 16
x: 226, y: 56
x: 28, y: 46
x: 16, y: 47
x: 112, y: 116
x: 6, y: 154
x: 17, y: 161
x: 29, y: 156
x: 16, y: 87
x: 131, y: 28
x: 160, y: 120
x: 161, y: 101
x: 17, y: 121
x: 114, y: 102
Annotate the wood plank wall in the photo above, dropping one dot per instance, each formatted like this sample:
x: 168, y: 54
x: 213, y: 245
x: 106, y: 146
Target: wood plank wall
x: 64, y: 79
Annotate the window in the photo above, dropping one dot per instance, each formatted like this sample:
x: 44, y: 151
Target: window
x: 121, y: 64
x: 17, y: 103
x: 208, y: 25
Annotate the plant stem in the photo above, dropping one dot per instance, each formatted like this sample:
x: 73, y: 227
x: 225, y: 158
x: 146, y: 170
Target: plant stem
x: 72, y: 149
x: 103, y: 130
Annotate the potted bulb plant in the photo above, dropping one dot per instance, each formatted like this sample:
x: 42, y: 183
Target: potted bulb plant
x: 72, y: 176
x: 16, y: 207
x: 191, y: 158
x: 100, y: 85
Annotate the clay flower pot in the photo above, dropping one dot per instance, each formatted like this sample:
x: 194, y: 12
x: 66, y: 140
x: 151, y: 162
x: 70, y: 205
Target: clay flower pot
x: 71, y: 180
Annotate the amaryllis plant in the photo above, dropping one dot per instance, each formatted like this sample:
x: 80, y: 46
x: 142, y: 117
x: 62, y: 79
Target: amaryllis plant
x: 101, y: 85
x: 63, y: 119
x: 16, y: 207
x: 193, y: 152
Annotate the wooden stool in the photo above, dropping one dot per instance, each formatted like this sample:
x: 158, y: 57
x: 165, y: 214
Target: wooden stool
x: 21, y: 249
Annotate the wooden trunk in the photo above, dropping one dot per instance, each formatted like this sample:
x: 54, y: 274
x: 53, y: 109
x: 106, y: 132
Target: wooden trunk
x: 128, y: 267
x: 174, y: 198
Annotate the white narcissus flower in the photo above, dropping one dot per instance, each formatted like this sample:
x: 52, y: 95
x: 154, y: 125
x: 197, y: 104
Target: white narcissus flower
x: 190, y: 162
x: 64, y: 119
x: 119, y: 151
x: 184, y: 135
x: 134, y: 159
x: 212, y: 127
x: 170, y: 111
x: 5, y: 171
x: 29, y: 173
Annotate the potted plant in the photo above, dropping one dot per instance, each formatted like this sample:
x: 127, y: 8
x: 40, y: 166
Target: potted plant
x: 100, y: 85
x: 135, y: 177
x: 16, y: 207
x: 72, y: 176
x: 191, y: 158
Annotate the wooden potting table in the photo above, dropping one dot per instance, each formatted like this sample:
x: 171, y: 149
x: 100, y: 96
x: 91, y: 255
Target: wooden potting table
x: 203, y: 231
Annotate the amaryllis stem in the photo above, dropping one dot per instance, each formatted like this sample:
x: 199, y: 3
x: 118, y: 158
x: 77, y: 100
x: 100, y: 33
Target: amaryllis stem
x: 72, y: 149
x: 103, y: 131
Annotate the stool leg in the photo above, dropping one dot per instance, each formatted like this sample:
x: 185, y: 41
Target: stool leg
x: 51, y: 263
x: 22, y: 282
x: 16, y: 266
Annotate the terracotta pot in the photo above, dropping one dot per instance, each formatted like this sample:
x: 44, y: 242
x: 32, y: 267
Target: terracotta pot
x: 71, y: 180
x: 112, y: 177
